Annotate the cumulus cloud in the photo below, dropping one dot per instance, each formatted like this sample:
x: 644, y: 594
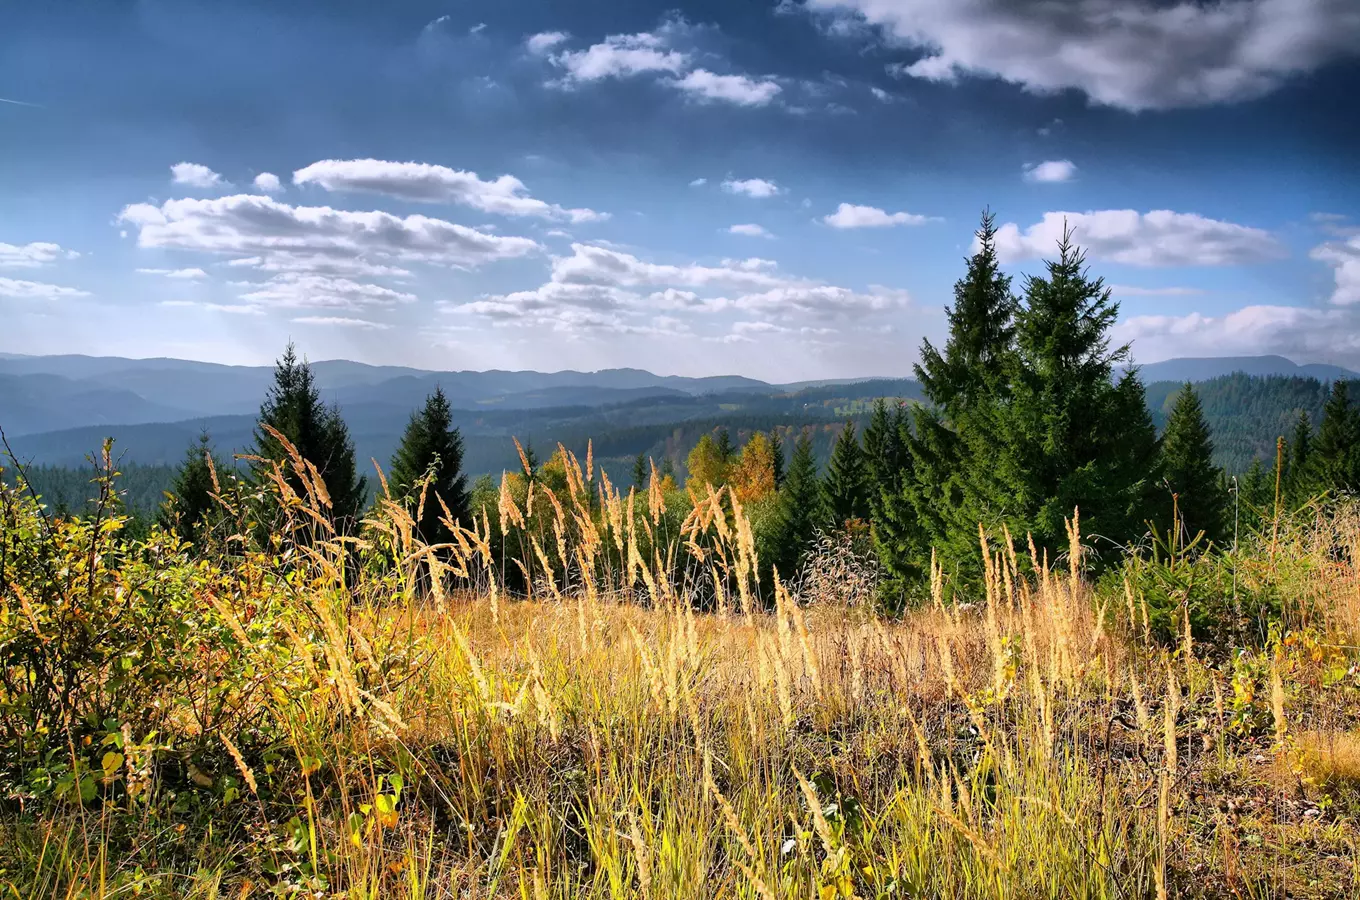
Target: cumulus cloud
x: 345, y: 266
x: 619, y: 56
x: 543, y: 42
x: 33, y: 255
x: 36, y: 290
x: 750, y: 230
x: 752, y: 187
x: 1132, y: 54
x: 1051, y: 171
x: 738, y: 89
x: 1344, y: 258
x: 823, y: 301
x: 848, y: 215
x: 590, y: 264
x: 184, y: 274
x: 268, y: 182
x: 426, y: 183
x: 1292, y: 331
x: 307, y: 290
x: 195, y: 176
x: 251, y: 225
x: 1157, y: 238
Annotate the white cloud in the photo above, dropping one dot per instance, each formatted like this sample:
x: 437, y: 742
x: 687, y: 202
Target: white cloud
x: 306, y: 291
x: 1129, y: 290
x: 1296, y: 332
x: 195, y: 176
x: 268, y: 182
x: 1051, y: 171
x: 1157, y: 238
x: 848, y: 215
x: 238, y: 309
x: 752, y: 187
x: 342, y: 322
x: 426, y: 183
x: 33, y: 255
x: 36, y: 290
x: 823, y: 301
x: 344, y: 266
x: 542, y: 43
x: 881, y: 95
x: 1344, y: 258
x: 750, y: 230
x: 590, y: 264
x: 619, y: 56
x: 698, y: 182
x: 738, y: 89
x: 244, y: 224
x: 175, y: 273
x: 1133, y: 54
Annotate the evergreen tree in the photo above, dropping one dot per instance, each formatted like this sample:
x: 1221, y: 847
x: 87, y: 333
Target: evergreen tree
x: 844, y: 490
x: 667, y: 469
x: 640, y: 472
x: 800, y: 509
x: 1188, y: 470
x: 433, y: 448
x: 294, y: 409
x: 1070, y: 437
x: 1338, y: 442
x: 777, y: 453
x: 885, y: 456
x: 726, y: 452
x: 1300, y: 459
x: 189, y: 509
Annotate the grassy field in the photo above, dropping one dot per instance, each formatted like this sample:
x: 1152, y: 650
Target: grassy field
x: 286, y: 713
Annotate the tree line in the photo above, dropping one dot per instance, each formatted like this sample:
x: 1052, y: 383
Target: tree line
x: 1030, y: 414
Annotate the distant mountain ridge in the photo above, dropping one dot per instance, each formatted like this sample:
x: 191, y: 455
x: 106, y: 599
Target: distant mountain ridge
x: 1205, y: 368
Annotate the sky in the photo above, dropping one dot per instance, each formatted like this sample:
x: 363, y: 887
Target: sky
x: 786, y: 190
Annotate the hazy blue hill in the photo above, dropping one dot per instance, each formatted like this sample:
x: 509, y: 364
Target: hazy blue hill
x: 1205, y: 368
x: 34, y: 403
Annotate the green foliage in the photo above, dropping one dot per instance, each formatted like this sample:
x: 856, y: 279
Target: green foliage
x: 293, y: 409
x: 189, y: 509
x: 845, y: 493
x: 1337, y: 452
x: 801, y: 511
x: 1188, y: 471
x: 640, y: 471
x: 428, y: 469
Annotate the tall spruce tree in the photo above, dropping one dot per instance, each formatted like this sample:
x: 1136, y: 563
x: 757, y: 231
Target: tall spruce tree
x: 294, y: 409
x: 1188, y: 469
x: 777, y: 452
x: 1338, y: 442
x: 1300, y: 481
x: 950, y: 482
x: 432, y: 448
x: 845, y: 488
x: 800, y: 509
x: 190, y: 509
x: 727, y: 453
x: 1070, y: 436
x: 640, y: 472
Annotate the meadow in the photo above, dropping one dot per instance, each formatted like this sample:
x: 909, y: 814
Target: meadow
x: 610, y: 703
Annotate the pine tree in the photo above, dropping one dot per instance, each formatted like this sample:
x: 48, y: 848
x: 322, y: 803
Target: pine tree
x: 844, y: 490
x: 800, y: 509
x: 294, y: 409
x: 1338, y: 442
x: 640, y: 472
x: 777, y: 452
x: 1188, y: 470
x: 432, y: 448
x: 885, y: 456
x: 726, y: 452
x: 189, y: 509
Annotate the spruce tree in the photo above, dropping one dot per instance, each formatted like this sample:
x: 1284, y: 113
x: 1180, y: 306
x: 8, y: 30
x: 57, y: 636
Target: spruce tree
x: 1338, y: 442
x: 294, y: 409
x: 189, y: 509
x: 1188, y: 470
x: 1300, y: 459
x: 844, y: 490
x: 800, y: 509
x: 1070, y: 437
x: 777, y: 452
x: 726, y: 452
x: 640, y: 471
x: 432, y: 448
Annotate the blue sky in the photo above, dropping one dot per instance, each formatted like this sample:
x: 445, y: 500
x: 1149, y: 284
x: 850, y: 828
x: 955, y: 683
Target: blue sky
x: 785, y: 190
